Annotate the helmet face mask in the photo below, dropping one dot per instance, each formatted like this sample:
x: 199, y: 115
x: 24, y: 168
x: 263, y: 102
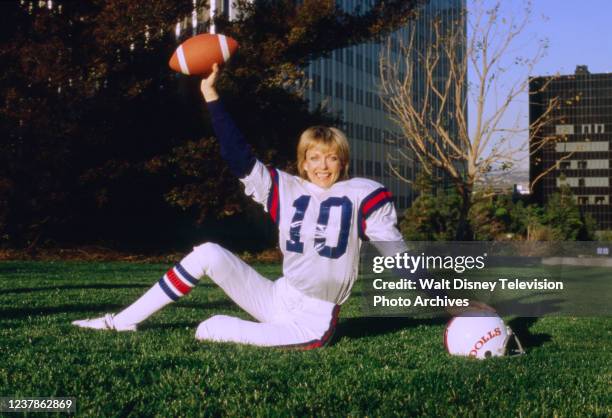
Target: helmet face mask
x: 480, y: 337
x: 512, y: 345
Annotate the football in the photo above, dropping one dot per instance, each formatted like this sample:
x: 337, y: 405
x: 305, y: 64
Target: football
x: 197, y: 55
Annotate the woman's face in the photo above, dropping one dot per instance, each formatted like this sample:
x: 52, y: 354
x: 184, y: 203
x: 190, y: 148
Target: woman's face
x: 322, y: 165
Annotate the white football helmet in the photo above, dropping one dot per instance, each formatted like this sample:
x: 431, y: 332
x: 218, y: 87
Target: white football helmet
x: 480, y: 337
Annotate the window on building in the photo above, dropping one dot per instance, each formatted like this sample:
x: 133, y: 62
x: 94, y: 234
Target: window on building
x: 582, y: 146
x: 395, y: 45
x: 348, y: 77
x: 564, y: 165
x: 316, y: 83
x: 600, y: 200
x: 582, y: 165
x: 377, y: 135
x: 328, y: 86
x: 597, y: 182
x: 359, y: 61
x: 377, y: 169
x: 586, y: 128
x: 349, y: 93
x: 581, y: 182
x: 599, y: 128
x: 564, y: 129
x: 339, y: 90
x: 349, y: 129
x: 368, y: 101
x: 387, y: 136
x: 597, y: 164
x: 353, y: 164
x: 359, y: 94
x: 349, y: 57
x: 583, y: 200
x: 368, y: 133
x: 369, y: 168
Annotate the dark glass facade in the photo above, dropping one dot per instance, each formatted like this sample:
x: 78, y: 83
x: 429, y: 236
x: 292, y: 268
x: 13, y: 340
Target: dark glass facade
x: 581, y: 154
x: 348, y: 84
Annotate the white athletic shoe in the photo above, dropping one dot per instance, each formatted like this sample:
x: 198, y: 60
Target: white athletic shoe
x: 105, y: 322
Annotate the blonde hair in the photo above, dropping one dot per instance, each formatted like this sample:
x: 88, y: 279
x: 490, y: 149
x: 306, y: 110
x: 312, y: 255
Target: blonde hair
x: 329, y: 137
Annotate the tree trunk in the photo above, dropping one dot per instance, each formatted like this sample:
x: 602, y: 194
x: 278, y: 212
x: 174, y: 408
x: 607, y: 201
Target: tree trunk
x: 464, y: 230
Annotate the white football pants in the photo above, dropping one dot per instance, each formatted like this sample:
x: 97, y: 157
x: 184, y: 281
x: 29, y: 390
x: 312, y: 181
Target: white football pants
x: 286, y: 316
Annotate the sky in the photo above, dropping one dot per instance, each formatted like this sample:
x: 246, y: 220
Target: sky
x: 577, y: 33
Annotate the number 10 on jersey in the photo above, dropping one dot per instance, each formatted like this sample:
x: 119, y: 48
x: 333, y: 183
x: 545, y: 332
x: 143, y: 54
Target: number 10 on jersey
x: 294, y: 244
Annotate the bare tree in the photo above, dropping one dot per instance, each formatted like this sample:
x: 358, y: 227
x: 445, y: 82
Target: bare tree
x: 427, y: 91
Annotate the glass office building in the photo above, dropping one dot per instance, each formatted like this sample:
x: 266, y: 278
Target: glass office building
x: 348, y: 85
x: 582, y: 124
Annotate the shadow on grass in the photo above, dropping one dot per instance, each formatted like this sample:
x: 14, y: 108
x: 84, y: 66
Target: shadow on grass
x: 99, y: 286
x: 170, y: 326
x: 522, y: 306
x: 216, y: 304
x: 521, y: 327
x: 74, y: 287
x: 373, y: 326
x: 92, y: 310
x: 21, y: 313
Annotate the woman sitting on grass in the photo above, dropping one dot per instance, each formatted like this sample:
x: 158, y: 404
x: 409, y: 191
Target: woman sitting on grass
x: 322, y: 217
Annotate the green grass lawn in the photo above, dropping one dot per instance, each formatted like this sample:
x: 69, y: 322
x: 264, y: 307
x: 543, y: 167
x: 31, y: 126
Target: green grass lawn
x: 375, y: 367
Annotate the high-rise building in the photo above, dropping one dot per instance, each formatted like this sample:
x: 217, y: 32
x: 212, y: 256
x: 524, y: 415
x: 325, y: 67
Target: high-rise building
x: 582, y: 124
x: 348, y: 85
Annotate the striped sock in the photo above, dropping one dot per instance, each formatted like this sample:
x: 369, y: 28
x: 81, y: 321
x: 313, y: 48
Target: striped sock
x: 177, y: 282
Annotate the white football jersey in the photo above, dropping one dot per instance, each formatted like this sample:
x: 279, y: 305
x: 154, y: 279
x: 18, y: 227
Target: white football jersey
x: 321, y: 230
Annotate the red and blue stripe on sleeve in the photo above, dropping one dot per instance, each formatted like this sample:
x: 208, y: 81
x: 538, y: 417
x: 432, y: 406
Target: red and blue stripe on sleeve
x: 373, y: 201
x: 274, y: 197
